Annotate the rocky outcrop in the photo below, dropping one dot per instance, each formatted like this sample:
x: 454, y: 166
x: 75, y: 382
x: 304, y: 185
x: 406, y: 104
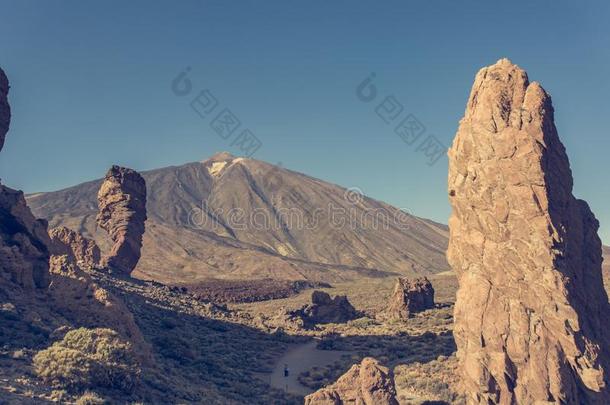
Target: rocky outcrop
x: 5, y: 109
x: 410, y: 296
x: 367, y: 383
x: 65, y: 241
x: 531, y: 316
x: 324, y: 309
x: 81, y: 300
x: 24, y: 243
x: 122, y: 213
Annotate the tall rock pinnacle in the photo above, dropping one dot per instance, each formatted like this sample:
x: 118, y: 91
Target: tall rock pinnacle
x: 532, y: 319
x: 5, y: 109
x: 122, y: 213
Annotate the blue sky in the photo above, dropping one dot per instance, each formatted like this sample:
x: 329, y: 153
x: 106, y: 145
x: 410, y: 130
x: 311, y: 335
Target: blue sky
x: 91, y: 86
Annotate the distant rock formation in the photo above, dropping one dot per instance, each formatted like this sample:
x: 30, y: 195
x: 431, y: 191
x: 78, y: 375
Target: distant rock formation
x: 78, y: 298
x: 122, y: 213
x: 65, y: 241
x: 5, y: 109
x: 410, y: 296
x: 324, y: 309
x: 532, y: 318
x: 367, y: 383
x: 24, y: 252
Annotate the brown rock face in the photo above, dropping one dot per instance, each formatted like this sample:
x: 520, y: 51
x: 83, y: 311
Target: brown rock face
x: 122, y: 213
x: 410, y: 296
x: 65, y: 241
x: 5, y: 109
x: 324, y: 309
x: 367, y: 383
x: 24, y: 243
x: 532, y: 318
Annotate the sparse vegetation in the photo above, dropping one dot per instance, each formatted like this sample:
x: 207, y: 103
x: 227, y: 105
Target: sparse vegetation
x: 90, y: 398
x: 222, y: 354
x: 434, y: 380
x: 319, y: 377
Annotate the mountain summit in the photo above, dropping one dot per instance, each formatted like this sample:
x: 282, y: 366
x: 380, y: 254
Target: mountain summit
x: 232, y: 217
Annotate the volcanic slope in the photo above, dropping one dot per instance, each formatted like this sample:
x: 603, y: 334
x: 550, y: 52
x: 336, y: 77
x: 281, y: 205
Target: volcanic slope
x: 236, y: 218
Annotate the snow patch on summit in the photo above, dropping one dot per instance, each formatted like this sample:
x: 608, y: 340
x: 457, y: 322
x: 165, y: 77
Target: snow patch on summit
x: 216, y: 168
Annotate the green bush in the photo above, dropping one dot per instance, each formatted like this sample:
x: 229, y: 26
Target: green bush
x: 89, y: 358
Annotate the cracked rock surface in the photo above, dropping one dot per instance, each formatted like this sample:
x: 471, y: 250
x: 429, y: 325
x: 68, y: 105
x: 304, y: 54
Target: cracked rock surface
x: 65, y: 241
x: 122, y: 213
x: 532, y: 318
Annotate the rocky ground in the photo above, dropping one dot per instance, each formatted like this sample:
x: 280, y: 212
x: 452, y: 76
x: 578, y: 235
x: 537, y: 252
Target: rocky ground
x: 200, y: 351
x: 420, y: 349
x: 225, y: 353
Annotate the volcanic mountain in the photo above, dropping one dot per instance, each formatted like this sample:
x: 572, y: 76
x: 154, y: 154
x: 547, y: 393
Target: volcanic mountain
x: 237, y: 218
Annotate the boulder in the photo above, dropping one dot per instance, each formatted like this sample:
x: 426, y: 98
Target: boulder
x: 532, y: 320
x: 410, y: 296
x: 65, y: 241
x: 324, y: 309
x: 122, y: 213
x: 367, y: 383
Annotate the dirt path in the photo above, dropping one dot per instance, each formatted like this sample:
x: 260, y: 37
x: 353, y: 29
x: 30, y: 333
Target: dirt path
x: 301, y: 358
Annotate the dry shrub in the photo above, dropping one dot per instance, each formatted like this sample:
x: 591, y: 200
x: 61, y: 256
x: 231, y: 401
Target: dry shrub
x: 90, y: 398
x: 89, y: 358
x: 434, y: 380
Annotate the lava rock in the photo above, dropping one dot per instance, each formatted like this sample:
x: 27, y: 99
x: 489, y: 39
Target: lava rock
x: 531, y: 316
x: 122, y: 213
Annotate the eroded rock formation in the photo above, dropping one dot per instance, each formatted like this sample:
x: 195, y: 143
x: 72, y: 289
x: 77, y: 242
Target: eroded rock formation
x: 532, y: 318
x: 324, y: 309
x: 24, y: 243
x: 367, y: 383
x: 65, y: 241
x: 5, y: 109
x: 122, y: 213
x: 410, y: 296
